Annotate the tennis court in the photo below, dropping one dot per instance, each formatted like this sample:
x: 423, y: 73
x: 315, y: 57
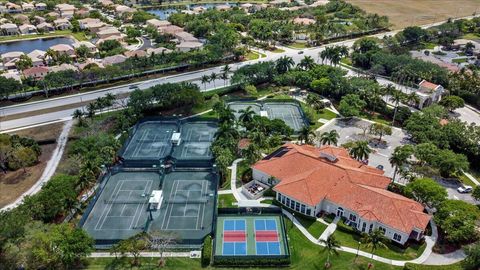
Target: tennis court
x: 197, y: 138
x: 250, y: 235
x: 151, y: 140
x: 121, y: 208
x: 290, y: 112
x: 188, y: 205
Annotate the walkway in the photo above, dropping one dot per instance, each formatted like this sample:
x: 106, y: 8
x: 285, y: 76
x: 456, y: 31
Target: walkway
x: 472, y: 178
x: 330, y: 229
x: 49, y: 169
x: 142, y: 254
x: 430, y: 241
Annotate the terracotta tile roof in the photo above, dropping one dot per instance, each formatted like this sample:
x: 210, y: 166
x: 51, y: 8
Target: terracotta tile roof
x: 306, y: 174
x: 428, y: 85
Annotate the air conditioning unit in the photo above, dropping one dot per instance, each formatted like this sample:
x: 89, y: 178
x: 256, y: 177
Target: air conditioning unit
x: 330, y: 157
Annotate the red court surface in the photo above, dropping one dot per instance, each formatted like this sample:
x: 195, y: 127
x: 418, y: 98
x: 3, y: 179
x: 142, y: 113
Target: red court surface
x: 234, y: 236
x: 266, y: 236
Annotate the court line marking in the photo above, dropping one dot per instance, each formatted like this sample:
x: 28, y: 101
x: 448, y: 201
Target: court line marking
x: 103, y: 216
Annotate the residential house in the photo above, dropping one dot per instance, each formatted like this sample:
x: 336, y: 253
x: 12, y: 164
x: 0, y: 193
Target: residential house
x: 157, y: 51
x: 62, y: 24
x: 83, y: 12
x: 135, y: 53
x: 9, y: 29
x: 118, y: 38
x: 303, y: 21
x: 63, y: 67
x: 12, y: 75
x: 188, y: 46
x: 22, y: 18
x: 10, y: 55
x: 38, y: 57
x: 158, y: 23
x: 65, y: 10
x: 108, y: 31
x: 45, y: 27
x: 26, y: 29
x: 39, y: 19
x: 185, y: 37
x: 105, y: 3
x: 40, y: 6
x: 89, y: 45
x: 13, y: 8
x: 114, y: 59
x: 199, y: 9
x: 36, y: 73
x: 63, y: 49
x: 428, y: 93
x: 121, y: 9
x: 312, y: 181
x: 54, y: 14
x: 170, y: 29
x: 89, y: 62
x: 87, y: 23
x: 27, y: 7
x: 223, y: 7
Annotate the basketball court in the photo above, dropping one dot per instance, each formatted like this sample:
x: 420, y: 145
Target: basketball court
x: 151, y: 141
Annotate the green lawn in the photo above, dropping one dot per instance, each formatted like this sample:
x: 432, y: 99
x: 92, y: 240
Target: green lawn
x: 429, y: 45
x: 315, y: 115
x: 459, y: 60
x: 313, y: 226
x: 347, y: 61
x: 376, y: 118
x: 465, y: 180
x: 471, y: 36
x: 347, y: 237
x: 304, y: 255
x: 226, y: 201
x: 252, y: 56
x: 278, y: 50
x: 298, y: 45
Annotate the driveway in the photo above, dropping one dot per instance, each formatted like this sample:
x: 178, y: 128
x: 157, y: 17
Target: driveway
x: 451, y: 187
x: 468, y: 115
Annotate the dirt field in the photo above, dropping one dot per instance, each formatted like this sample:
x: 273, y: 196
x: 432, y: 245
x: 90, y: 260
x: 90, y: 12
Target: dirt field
x: 404, y: 13
x: 15, y: 183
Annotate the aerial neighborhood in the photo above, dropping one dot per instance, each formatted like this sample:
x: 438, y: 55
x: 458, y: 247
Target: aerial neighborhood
x: 284, y: 134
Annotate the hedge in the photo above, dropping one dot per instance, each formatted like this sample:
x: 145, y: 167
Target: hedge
x: 207, y: 251
x: 250, y: 261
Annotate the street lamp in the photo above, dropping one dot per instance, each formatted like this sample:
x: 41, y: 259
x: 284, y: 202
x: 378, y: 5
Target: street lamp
x: 358, y: 249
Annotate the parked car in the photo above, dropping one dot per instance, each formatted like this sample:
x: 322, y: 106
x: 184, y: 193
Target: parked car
x: 300, y: 52
x: 133, y: 87
x: 464, y: 189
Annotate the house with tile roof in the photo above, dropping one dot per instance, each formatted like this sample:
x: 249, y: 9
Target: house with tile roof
x: 312, y: 180
x: 429, y: 93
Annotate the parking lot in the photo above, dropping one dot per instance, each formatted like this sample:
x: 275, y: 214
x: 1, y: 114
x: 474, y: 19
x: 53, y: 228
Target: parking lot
x: 451, y: 187
x: 353, y: 130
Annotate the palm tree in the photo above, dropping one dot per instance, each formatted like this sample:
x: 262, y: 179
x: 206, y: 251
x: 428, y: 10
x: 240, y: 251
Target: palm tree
x: 374, y: 240
x: 284, y: 64
x: 331, y: 245
x: 360, y: 150
x: 399, y: 158
x: 226, y: 69
x: 307, y: 63
x: 225, y: 130
x: 224, y: 77
x: 78, y: 114
x: 252, y: 153
x: 213, y: 77
x: 91, y: 107
x: 306, y: 135
x: 412, y: 98
x: 246, y: 115
x: 258, y: 138
x: 205, y: 79
x: 330, y: 137
x: 396, y: 97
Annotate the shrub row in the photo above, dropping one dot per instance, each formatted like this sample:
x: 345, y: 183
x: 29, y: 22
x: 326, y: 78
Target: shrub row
x: 207, y: 251
x: 250, y: 261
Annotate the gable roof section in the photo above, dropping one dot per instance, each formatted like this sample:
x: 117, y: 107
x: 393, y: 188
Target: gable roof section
x: 309, y: 178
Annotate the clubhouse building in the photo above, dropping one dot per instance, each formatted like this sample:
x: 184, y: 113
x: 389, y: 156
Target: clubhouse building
x: 313, y: 181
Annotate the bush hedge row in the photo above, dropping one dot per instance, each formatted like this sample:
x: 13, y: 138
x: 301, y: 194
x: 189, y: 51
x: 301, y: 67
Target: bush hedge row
x: 250, y: 261
x: 207, y: 251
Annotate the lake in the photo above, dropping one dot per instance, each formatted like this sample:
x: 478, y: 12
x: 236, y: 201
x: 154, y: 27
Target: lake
x: 164, y: 13
x: 27, y: 46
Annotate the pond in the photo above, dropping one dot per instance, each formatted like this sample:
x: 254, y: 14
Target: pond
x: 27, y: 46
x: 164, y: 13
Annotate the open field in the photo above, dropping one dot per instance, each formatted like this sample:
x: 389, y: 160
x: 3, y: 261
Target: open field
x: 413, y: 12
x: 13, y: 184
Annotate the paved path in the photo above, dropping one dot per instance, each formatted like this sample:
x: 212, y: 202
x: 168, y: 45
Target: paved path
x: 472, y: 178
x: 330, y: 229
x: 233, y: 180
x: 445, y: 259
x: 49, y: 169
x: 430, y: 241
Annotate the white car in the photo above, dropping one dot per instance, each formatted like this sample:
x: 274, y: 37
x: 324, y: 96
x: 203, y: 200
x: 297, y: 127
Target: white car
x: 465, y: 189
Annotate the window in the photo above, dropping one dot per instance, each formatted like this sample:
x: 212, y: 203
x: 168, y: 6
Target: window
x: 297, y: 207
x: 382, y: 229
x: 288, y: 202
x: 370, y: 229
x: 364, y: 226
x: 353, y: 217
x: 279, y: 196
x: 302, y: 209
x: 292, y: 204
x: 283, y: 199
x: 397, y: 237
x: 309, y: 211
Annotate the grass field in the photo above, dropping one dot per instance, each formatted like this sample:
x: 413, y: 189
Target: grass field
x: 414, y: 12
x: 226, y: 201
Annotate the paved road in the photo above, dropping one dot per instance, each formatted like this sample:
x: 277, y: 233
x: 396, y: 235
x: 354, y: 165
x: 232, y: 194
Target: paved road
x: 194, y: 76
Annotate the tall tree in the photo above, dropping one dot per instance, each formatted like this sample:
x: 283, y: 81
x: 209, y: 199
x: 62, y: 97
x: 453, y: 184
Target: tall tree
x: 306, y: 135
x: 330, y: 137
x: 284, y: 64
x: 375, y: 240
x: 331, y: 245
x: 426, y: 191
x: 360, y: 150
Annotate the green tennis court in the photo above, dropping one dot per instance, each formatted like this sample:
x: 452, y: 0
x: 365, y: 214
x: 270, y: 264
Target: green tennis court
x: 150, y: 141
x: 196, y: 139
x: 121, y: 208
